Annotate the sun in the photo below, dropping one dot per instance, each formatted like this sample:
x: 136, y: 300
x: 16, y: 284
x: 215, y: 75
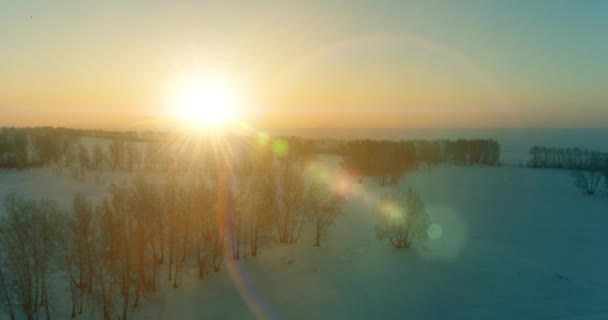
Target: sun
x: 210, y: 103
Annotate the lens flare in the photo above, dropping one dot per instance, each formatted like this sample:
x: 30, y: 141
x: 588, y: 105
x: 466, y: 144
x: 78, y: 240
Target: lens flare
x: 280, y: 147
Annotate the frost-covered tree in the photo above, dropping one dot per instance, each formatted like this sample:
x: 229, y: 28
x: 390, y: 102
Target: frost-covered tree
x: 402, y: 219
x: 587, y: 180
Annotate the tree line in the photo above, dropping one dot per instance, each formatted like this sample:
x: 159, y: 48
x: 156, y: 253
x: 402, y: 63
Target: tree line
x: 34, y: 147
x: 389, y: 160
x: 567, y: 158
x: 131, y: 151
x: 155, y: 151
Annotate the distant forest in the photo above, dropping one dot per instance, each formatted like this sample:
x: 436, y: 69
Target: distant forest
x: 130, y: 150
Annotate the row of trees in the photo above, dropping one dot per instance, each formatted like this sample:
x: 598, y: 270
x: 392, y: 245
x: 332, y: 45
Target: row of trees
x: 588, y: 167
x: 114, y: 252
x: 567, y: 158
x: 156, y: 151
x: 20, y: 148
x: 117, y: 155
x: 460, y: 151
x: 389, y: 160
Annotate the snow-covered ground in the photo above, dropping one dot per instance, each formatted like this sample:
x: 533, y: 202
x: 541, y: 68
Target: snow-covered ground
x: 57, y: 183
x: 516, y: 243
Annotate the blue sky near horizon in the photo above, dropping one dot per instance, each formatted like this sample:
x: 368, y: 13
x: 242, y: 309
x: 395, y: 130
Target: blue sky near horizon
x: 79, y: 59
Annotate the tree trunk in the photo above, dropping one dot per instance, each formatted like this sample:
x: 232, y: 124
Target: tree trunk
x: 90, y: 263
x: 71, y: 282
x: 46, y: 300
x: 6, y: 295
x: 161, y: 244
x: 200, y: 261
x: 318, y: 235
x: 125, y: 306
x: 175, y: 276
x: 171, y: 248
x: 80, y: 285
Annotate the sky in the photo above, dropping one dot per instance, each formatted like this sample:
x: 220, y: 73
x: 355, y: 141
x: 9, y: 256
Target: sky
x: 308, y: 63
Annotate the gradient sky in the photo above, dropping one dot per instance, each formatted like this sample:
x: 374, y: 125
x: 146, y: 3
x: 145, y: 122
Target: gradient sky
x: 309, y: 63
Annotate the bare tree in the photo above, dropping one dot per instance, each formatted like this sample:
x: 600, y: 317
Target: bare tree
x: 111, y: 269
x: 402, y: 219
x: 133, y: 156
x: 117, y: 153
x: 587, y: 180
x: 67, y: 246
x: 99, y: 156
x: 170, y: 198
x: 261, y: 212
x: 152, y: 154
x: 83, y: 156
x: 28, y: 238
x: 290, y: 203
x: 238, y: 215
x: 70, y: 154
x: 323, y: 208
x: 82, y: 229
x: 144, y: 206
x: 203, y: 222
x: 5, y: 294
x: 119, y: 230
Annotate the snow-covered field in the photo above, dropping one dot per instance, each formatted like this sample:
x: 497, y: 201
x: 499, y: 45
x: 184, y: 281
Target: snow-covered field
x: 516, y: 243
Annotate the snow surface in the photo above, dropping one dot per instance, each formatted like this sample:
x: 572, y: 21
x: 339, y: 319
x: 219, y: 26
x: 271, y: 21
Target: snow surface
x: 515, y: 243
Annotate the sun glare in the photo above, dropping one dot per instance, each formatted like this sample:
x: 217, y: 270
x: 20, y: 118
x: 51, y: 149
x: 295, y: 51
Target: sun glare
x: 206, y: 103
